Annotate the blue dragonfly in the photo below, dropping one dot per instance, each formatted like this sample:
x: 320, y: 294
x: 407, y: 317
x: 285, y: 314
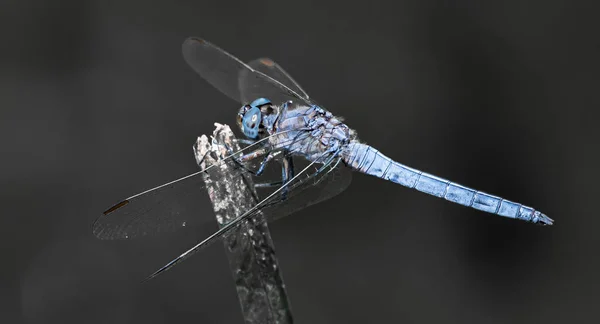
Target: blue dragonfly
x: 281, y: 123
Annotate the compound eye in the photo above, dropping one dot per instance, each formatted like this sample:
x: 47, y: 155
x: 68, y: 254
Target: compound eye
x: 251, y: 122
x: 240, y: 117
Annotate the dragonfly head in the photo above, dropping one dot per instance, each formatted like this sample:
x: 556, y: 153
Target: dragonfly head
x: 250, y: 117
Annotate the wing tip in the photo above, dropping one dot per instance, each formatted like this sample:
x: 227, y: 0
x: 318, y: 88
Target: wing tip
x: 194, y: 39
x: 115, y: 207
x: 267, y: 62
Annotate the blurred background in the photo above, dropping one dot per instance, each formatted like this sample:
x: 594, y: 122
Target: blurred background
x: 97, y: 103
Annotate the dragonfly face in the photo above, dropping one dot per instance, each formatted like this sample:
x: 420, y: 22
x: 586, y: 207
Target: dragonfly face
x: 250, y: 116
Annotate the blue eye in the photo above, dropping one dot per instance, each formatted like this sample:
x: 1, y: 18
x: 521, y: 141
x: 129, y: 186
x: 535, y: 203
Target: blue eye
x: 260, y: 102
x: 251, y: 122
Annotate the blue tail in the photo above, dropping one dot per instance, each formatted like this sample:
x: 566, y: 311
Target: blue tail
x: 366, y: 159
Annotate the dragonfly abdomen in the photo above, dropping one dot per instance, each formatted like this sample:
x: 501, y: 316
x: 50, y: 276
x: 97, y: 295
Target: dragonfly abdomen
x: 368, y: 160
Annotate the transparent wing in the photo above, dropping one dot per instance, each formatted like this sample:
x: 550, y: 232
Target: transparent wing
x: 305, y: 180
x: 165, y: 208
x: 236, y: 79
x: 310, y: 189
x: 180, y: 203
x: 185, y: 203
x: 273, y: 70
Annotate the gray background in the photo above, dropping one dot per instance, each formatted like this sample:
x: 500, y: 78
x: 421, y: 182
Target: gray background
x: 97, y: 103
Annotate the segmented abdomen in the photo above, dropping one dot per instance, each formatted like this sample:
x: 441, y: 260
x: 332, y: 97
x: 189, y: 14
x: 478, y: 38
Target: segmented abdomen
x: 366, y: 159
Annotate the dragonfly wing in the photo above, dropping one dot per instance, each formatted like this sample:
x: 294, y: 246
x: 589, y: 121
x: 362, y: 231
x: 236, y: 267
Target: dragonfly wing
x: 275, y: 71
x: 271, y: 204
x: 223, y: 71
x: 168, y: 207
x: 310, y: 190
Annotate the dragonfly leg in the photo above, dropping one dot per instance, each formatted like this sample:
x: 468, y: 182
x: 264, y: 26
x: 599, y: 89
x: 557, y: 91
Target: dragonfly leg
x: 263, y: 164
x: 261, y: 169
x: 268, y: 184
x: 287, y: 173
x: 247, y: 157
x: 253, y: 155
x: 245, y: 141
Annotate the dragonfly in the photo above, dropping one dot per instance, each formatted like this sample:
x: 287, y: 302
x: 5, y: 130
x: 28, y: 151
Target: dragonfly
x: 282, y: 123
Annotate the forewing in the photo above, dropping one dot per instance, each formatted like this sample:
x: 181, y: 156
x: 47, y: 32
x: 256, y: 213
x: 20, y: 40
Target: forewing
x: 231, y: 76
x: 181, y: 203
x: 275, y: 71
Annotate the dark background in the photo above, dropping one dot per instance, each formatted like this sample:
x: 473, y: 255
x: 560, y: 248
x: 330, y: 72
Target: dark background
x: 97, y: 103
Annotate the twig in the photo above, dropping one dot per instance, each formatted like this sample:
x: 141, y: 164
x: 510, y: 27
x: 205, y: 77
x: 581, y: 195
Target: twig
x: 249, y: 248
